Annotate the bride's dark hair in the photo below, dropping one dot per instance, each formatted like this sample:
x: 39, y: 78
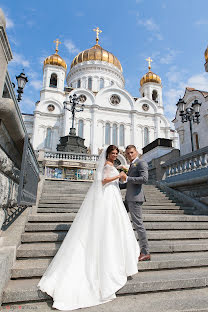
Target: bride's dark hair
x: 110, y: 149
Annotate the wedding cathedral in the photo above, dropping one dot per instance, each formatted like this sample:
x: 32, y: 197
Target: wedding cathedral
x: 111, y: 114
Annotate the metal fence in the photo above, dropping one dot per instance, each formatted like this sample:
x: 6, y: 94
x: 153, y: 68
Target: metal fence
x: 29, y: 176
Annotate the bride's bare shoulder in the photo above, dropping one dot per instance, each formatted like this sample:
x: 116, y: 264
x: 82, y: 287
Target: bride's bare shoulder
x: 108, y: 163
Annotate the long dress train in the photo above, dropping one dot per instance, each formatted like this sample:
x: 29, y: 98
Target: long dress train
x: 98, y: 253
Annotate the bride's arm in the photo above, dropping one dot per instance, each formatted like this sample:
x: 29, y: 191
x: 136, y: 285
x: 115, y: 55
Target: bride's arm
x: 106, y: 175
x: 107, y: 180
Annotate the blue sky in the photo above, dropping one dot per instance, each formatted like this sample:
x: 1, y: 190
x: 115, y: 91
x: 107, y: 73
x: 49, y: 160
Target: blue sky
x: 172, y: 33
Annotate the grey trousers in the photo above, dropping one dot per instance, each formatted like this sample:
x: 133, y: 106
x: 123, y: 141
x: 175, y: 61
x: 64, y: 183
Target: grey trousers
x: 135, y: 209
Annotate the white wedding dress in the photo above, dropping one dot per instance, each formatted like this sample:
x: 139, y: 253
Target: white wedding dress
x: 99, y: 251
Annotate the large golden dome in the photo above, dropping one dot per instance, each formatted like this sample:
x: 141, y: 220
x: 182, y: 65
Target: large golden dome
x: 55, y: 59
x: 206, y: 54
x: 96, y: 53
x: 150, y: 76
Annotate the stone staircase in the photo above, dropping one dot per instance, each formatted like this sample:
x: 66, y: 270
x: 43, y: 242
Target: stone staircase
x: 178, y: 241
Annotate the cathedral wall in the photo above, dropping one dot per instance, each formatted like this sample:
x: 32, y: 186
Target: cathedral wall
x: 96, y: 71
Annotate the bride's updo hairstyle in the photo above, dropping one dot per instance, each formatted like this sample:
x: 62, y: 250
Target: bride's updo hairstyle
x: 110, y: 149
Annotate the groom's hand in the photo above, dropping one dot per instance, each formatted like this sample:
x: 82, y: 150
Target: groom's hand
x: 123, y: 176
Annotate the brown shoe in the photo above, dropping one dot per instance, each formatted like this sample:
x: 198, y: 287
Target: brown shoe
x: 144, y: 257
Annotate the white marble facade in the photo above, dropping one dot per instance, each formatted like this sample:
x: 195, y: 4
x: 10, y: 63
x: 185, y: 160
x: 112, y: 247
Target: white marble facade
x: 111, y: 114
x: 199, y: 131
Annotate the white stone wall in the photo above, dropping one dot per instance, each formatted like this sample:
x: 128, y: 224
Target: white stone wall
x: 201, y: 129
x: 95, y: 70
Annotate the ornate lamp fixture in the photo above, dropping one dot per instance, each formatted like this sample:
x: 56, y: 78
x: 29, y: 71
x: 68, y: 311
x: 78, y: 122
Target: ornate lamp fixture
x: 21, y: 81
x: 74, y: 101
x: 190, y: 114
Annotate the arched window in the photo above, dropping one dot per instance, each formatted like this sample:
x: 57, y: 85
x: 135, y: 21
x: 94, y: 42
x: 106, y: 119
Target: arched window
x: 121, y: 135
x: 143, y: 94
x: 53, y: 81
x: 155, y: 96
x: 48, y: 138
x: 107, y: 133
x: 101, y: 83
x: 80, y: 128
x: 196, y: 141
x: 111, y: 83
x: 115, y: 134
x: 146, y: 136
x: 90, y: 83
x: 79, y: 83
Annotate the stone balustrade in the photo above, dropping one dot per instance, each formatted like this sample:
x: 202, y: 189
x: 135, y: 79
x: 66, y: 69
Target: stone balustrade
x: 70, y: 156
x: 191, y: 162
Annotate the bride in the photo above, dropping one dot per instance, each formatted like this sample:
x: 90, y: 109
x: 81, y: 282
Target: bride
x: 100, y: 249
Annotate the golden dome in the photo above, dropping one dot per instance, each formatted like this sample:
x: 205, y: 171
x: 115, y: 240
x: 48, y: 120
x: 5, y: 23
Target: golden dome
x: 96, y: 53
x: 55, y: 59
x: 206, y: 54
x: 150, y: 76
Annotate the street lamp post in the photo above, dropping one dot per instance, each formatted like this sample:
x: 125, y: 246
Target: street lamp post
x: 190, y: 114
x: 21, y: 81
x: 74, y: 101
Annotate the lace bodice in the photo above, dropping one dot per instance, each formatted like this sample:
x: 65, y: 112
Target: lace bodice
x: 109, y: 172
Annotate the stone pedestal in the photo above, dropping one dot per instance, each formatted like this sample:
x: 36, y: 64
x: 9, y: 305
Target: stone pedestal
x: 72, y: 143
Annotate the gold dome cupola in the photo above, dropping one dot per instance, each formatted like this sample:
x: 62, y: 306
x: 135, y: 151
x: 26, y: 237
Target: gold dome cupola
x: 55, y: 59
x: 96, y: 53
x: 150, y: 76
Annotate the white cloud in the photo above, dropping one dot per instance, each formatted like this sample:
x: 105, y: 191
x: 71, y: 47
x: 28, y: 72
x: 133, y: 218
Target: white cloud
x: 79, y: 14
x: 20, y: 60
x: 177, y: 86
x: 27, y: 104
x: 71, y: 46
x: 202, y: 22
x: 150, y: 25
x: 199, y: 82
x: 9, y: 22
x: 169, y: 56
x: 36, y: 84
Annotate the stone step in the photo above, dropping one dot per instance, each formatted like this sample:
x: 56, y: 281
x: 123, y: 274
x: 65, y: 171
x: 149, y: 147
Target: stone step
x: 23, y: 290
x: 36, y: 267
x: 70, y: 197
x: 57, y: 236
x: 78, y: 204
x: 44, y: 249
x: 63, y: 226
x: 80, y: 200
x: 147, y: 211
x: 67, y: 217
x: 188, y: 300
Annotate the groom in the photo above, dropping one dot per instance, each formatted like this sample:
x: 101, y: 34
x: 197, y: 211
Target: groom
x: 136, y: 176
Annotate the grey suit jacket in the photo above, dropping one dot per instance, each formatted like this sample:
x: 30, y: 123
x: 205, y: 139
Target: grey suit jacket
x: 137, y: 175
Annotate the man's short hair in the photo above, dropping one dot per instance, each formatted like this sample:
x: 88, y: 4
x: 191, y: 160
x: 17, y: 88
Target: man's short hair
x: 131, y: 146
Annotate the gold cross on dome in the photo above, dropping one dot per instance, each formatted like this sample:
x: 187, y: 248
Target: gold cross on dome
x: 57, y: 42
x: 98, y: 31
x: 149, y: 60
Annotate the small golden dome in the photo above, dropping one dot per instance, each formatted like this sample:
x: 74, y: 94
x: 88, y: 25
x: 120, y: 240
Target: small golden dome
x: 55, y: 59
x: 150, y: 77
x: 96, y: 53
x: 206, y: 55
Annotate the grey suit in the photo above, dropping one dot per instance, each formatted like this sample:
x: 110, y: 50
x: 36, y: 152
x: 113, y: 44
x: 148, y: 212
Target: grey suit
x: 137, y: 175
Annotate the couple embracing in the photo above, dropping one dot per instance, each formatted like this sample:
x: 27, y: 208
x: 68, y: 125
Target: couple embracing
x: 100, y: 250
